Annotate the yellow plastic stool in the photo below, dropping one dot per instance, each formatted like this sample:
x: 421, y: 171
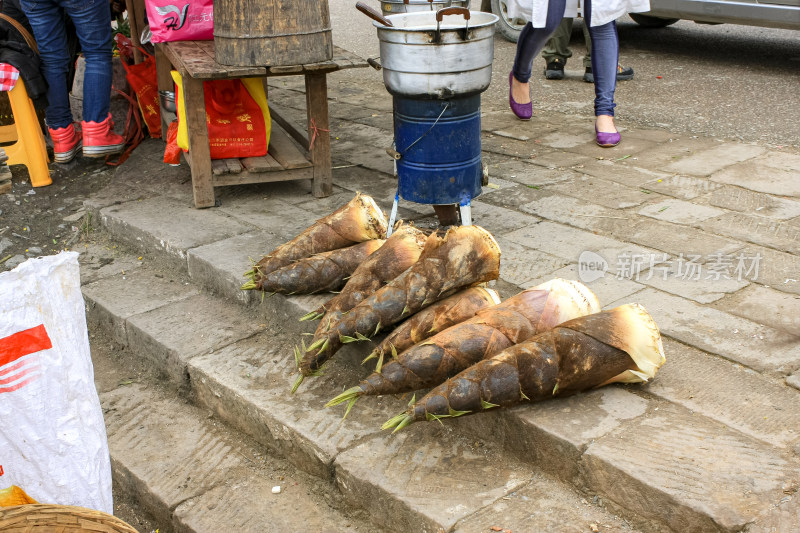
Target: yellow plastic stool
x: 29, y: 150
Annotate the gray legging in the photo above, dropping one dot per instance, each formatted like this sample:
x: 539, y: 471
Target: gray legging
x: 605, y: 52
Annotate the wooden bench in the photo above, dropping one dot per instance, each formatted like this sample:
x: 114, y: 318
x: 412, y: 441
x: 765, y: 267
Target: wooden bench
x: 195, y: 60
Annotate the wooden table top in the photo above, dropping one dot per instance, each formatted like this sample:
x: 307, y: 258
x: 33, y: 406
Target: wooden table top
x: 197, y: 59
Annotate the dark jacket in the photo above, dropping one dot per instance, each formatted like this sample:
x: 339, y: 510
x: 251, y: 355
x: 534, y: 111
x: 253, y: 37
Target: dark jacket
x: 15, y: 51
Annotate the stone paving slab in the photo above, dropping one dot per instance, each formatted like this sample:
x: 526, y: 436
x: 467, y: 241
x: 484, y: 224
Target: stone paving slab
x: 577, y: 212
x: 543, y: 506
x: 499, y: 220
x: 167, y: 228
x: 765, y: 305
x: 205, y: 479
x: 680, y: 212
x: 220, y: 266
x: 773, y: 173
x: 665, y: 154
x: 626, y: 172
x: 569, y: 243
x: 170, y: 335
x: 553, y: 435
x: 426, y: 480
x: 746, y: 201
x: 116, y: 298
x: 520, y: 264
x: 756, y: 229
x: 508, y: 144
x: 778, y: 270
x: 363, y: 134
x: 691, y: 281
x: 729, y: 393
x: 560, y: 160
x: 525, y: 172
x: 248, y: 383
x: 692, y: 473
x: 754, y: 345
x: 604, y: 192
x: 676, y: 239
x: 263, y: 212
x: 710, y: 160
x: 510, y: 197
x: 681, y: 187
x: 137, y: 436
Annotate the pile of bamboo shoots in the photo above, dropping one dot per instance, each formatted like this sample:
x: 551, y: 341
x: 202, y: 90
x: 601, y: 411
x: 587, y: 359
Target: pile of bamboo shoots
x: 448, y: 332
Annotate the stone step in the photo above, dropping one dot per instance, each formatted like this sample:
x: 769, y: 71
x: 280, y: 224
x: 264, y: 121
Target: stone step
x: 167, y: 329
x: 191, y: 473
x: 620, y: 443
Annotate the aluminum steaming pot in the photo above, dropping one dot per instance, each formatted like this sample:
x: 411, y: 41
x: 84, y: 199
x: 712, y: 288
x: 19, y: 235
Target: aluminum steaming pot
x: 437, y: 54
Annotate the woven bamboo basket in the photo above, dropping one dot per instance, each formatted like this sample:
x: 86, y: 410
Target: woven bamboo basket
x: 41, y: 518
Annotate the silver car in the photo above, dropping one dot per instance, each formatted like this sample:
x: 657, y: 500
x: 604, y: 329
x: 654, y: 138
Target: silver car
x: 766, y: 13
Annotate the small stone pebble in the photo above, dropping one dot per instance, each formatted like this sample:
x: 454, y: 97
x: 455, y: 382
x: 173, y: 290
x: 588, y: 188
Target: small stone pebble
x: 276, y: 489
x: 15, y: 261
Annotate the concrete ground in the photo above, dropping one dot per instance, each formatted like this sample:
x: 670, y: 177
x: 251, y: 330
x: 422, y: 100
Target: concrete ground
x: 702, y: 232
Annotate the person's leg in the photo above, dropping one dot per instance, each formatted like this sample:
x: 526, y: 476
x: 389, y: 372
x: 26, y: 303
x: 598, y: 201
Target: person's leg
x: 556, y: 50
x: 46, y: 20
x: 605, y: 58
x: 92, y: 19
x: 623, y: 73
x: 530, y: 43
x: 587, y: 38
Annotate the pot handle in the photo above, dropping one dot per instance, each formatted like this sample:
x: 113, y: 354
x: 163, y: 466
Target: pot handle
x: 373, y: 14
x: 451, y: 11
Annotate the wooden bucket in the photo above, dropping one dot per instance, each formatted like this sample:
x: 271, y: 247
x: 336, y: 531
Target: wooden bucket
x: 272, y: 32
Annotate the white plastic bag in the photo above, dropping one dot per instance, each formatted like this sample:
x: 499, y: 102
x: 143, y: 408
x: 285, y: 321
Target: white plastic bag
x: 52, y: 435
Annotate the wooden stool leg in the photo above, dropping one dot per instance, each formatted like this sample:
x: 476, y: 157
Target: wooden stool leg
x: 29, y: 150
x: 318, y: 133
x: 199, y: 151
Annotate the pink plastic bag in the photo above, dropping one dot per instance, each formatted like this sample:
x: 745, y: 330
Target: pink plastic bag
x: 180, y: 20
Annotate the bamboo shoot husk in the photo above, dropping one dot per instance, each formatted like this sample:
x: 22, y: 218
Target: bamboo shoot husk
x: 357, y: 221
x: 465, y: 256
x: 619, y: 345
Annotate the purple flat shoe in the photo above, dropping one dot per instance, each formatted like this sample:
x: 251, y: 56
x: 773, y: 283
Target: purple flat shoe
x: 605, y: 139
x: 523, y: 111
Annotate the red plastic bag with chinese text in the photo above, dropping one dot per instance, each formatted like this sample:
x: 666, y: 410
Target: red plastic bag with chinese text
x: 144, y: 81
x: 172, y: 153
x: 237, y: 117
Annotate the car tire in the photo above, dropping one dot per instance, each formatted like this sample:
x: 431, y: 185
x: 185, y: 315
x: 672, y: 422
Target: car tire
x: 651, y: 22
x: 508, y: 28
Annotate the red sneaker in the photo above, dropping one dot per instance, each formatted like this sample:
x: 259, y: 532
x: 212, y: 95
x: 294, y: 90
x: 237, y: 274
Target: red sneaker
x: 99, y: 138
x: 66, y: 143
